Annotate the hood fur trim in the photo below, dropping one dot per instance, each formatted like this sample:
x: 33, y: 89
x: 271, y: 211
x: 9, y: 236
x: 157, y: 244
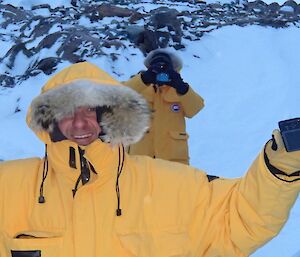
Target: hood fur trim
x: 125, y: 124
x: 176, y: 61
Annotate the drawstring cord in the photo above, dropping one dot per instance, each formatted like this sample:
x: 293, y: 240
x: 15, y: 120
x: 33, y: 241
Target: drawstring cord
x: 120, y: 169
x: 85, y: 173
x: 45, y: 173
x: 85, y: 168
x: 76, y: 185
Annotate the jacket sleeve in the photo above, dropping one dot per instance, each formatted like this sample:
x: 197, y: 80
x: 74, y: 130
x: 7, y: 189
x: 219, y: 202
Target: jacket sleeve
x: 136, y: 83
x: 242, y: 214
x: 192, y: 103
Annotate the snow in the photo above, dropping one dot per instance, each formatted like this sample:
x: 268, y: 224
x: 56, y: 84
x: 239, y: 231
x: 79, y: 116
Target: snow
x: 27, y: 4
x: 147, y: 5
x: 249, y: 78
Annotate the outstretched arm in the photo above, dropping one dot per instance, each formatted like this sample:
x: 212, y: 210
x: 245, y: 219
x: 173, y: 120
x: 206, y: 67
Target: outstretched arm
x: 243, y: 214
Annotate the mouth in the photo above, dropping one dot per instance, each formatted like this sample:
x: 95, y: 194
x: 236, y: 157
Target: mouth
x: 83, y: 136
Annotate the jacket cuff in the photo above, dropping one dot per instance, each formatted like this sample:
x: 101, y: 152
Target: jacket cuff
x: 279, y: 174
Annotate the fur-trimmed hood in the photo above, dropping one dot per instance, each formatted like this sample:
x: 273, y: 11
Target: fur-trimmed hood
x: 175, y: 59
x: 84, y: 84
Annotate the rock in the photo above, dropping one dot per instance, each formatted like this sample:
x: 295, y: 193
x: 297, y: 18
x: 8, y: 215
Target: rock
x: 257, y: 6
x: 41, y: 6
x: 48, y: 65
x: 135, y: 17
x: 48, y: 41
x: 108, y: 10
x: 43, y: 27
x: 274, y: 8
x: 165, y: 25
x: 289, y: 7
x: 147, y: 41
x: 134, y: 32
x: 164, y: 17
x: 96, y: 13
x: 13, y: 51
x: 6, y: 81
x: 116, y: 43
x: 13, y: 15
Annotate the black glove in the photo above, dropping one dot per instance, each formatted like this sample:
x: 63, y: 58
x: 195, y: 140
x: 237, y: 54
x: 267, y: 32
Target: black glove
x: 148, y: 76
x: 176, y: 81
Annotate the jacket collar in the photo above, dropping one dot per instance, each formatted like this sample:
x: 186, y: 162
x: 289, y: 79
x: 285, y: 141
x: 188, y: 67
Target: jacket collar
x: 101, y: 156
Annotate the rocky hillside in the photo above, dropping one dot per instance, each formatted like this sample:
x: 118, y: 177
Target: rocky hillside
x: 47, y: 36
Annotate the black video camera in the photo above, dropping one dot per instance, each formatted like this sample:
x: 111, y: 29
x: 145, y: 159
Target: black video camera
x: 290, y: 132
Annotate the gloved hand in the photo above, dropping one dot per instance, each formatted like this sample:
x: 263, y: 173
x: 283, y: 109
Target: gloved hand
x: 177, y: 82
x: 287, y: 163
x: 148, y: 76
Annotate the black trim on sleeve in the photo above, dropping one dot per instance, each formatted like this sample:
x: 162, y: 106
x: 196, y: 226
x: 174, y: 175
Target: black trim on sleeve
x: 276, y: 171
x: 211, y: 177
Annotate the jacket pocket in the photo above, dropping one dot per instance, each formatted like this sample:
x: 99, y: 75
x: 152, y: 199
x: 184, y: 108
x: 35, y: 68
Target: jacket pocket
x: 33, y: 245
x: 26, y: 253
x: 179, y: 146
x: 169, y: 243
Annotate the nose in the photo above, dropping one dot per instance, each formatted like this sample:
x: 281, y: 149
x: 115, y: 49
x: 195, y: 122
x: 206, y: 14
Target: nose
x: 79, y: 120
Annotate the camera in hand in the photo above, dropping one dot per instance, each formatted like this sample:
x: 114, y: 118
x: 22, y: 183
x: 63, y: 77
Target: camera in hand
x: 162, y: 75
x: 290, y: 132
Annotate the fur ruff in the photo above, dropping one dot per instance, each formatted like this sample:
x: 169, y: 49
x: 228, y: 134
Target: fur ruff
x: 125, y: 124
x: 176, y: 61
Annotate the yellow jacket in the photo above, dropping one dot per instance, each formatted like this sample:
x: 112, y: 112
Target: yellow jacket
x: 168, y: 209
x: 167, y: 137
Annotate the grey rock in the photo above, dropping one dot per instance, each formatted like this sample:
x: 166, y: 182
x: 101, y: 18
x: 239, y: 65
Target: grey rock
x: 48, y: 41
x: 6, y: 81
x: 13, y: 51
x: 108, y: 10
x: 41, y: 6
x: 133, y: 32
x: 47, y: 65
x: 274, y: 8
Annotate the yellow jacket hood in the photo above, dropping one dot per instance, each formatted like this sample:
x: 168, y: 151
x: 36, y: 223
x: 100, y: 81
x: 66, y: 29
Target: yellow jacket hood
x: 84, y: 84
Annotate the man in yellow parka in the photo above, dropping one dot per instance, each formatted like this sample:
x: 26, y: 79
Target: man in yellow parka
x: 87, y: 197
x: 171, y: 101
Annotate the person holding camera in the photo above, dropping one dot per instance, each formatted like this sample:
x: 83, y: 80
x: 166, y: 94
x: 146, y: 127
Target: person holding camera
x: 171, y: 100
x: 88, y: 197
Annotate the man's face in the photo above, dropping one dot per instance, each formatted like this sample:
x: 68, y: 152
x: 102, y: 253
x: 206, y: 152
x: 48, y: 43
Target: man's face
x: 82, y: 127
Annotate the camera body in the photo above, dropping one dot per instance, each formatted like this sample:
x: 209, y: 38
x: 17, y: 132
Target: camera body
x: 290, y: 132
x: 160, y: 69
x: 162, y: 77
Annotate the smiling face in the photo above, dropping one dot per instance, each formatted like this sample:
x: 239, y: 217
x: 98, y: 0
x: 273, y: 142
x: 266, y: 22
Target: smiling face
x: 81, y: 128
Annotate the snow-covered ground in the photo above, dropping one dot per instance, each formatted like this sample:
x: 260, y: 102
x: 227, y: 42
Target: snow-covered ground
x: 249, y: 78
